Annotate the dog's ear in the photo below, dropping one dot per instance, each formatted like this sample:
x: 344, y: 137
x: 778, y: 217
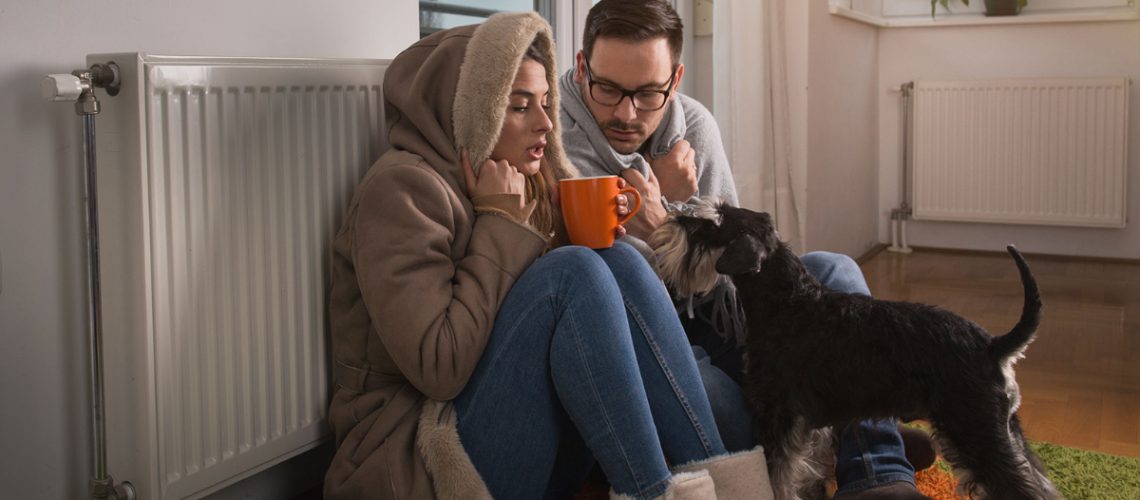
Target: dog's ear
x: 741, y: 255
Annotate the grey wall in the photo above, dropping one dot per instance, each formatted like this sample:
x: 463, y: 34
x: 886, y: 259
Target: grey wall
x: 1101, y: 49
x: 853, y: 131
x: 842, y: 119
x: 43, y: 360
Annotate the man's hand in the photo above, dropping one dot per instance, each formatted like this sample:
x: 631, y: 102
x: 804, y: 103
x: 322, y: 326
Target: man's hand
x: 652, y: 213
x: 677, y: 171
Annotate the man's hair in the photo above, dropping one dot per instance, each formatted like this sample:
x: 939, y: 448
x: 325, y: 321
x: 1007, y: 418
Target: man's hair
x: 635, y: 21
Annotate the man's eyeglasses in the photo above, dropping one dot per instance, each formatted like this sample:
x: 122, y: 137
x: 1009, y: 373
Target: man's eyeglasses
x: 643, y: 100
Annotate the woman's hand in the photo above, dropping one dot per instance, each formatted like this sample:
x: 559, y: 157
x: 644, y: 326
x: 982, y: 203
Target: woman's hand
x: 495, y: 178
x: 622, y: 209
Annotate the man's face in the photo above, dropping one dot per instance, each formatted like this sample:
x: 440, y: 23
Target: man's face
x: 628, y: 65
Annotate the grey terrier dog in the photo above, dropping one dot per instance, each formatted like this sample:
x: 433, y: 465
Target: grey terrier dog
x: 817, y: 358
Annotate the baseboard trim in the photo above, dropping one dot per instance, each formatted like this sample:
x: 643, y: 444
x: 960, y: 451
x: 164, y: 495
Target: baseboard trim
x: 963, y: 251
x: 871, y: 253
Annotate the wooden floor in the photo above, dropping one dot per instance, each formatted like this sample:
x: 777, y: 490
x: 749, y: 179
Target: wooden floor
x: 1080, y: 380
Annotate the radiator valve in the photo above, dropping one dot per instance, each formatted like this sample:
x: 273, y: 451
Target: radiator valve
x: 105, y: 489
x: 79, y: 86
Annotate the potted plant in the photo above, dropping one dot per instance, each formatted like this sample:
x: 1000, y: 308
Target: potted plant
x: 993, y: 7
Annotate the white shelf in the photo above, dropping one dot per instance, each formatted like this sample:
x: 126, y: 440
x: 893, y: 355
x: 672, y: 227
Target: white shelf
x: 974, y: 19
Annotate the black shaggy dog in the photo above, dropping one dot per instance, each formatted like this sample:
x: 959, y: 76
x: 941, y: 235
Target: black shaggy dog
x: 817, y: 358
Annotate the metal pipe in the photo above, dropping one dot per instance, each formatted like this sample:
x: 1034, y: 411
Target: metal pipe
x: 894, y: 233
x: 902, y: 237
x: 94, y: 304
x: 900, y: 215
x: 908, y: 94
x: 79, y: 86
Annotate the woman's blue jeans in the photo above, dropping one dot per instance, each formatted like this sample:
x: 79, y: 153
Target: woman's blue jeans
x: 586, y: 350
x: 870, y: 453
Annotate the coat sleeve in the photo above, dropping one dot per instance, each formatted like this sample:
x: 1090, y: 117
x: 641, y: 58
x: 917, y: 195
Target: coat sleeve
x: 433, y: 311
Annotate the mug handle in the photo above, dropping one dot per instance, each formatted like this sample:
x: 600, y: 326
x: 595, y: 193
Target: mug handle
x: 628, y: 191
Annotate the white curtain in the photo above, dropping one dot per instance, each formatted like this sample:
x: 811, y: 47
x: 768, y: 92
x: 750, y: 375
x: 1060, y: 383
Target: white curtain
x: 750, y: 101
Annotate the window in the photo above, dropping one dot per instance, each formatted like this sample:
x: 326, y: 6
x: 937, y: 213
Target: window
x: 893, y: 8
x: 913, y: 13
x: 437, y: 15
x: 567, y: 17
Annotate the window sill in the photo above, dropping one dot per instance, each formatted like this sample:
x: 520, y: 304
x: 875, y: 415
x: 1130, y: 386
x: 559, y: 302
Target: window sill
x: 972, y: 19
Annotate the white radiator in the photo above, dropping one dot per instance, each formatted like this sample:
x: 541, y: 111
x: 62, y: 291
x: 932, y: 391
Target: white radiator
x: 221, y: 184
x: 1040, y: 151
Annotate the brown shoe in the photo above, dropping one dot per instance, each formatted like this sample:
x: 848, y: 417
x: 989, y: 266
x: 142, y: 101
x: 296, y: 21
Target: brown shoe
x: 900, y: 490
x: 918, y: 447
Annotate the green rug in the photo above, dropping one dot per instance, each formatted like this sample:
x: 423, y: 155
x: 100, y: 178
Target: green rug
x: 1078, y: 474
x: 1089, y: 475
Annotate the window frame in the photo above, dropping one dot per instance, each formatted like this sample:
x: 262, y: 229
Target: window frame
x: 910, y: 8
x: 916, y: 13
x: 567, y: 18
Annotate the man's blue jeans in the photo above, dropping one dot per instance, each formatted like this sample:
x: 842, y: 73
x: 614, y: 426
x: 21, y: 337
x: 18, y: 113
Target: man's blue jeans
x: 586, y: 349
x: 871, y: 452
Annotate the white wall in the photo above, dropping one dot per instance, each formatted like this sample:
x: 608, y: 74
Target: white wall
x: 43, y: 362
x: 1031, y: 50
x: 841, y: 148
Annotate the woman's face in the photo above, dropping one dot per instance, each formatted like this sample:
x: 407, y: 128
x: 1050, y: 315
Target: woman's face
x: 522, y: 141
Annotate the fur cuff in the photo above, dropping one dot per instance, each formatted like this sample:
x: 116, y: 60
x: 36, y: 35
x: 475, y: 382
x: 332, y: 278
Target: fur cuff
x: 740, y: 475
x: 508, y: 204
x: 453, y: 475
x: 684, y: 486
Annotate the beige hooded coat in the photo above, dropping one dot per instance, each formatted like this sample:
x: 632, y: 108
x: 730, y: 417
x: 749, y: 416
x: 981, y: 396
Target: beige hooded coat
x: 417, y: 275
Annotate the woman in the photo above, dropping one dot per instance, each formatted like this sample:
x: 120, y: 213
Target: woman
x: 470, y: 359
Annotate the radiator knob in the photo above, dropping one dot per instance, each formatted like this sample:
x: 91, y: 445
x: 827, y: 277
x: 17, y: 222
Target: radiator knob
x: 62, y: 87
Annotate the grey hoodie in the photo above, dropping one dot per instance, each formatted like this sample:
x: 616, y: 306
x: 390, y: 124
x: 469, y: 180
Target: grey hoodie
x: 685, y: 118
x: 588, y: 149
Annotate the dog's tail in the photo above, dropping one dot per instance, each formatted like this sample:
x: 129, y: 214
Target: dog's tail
x: 1014, y: 342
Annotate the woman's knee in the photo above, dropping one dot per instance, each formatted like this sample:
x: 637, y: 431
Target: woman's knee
x: 629, y: 266
x: 566, y: 273
x: 623, y: 252
x: 575, y: 260
x: 836, y: 271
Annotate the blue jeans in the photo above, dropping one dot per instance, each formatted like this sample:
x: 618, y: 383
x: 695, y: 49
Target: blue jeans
x: 870, y: 453
x: 587, y: 360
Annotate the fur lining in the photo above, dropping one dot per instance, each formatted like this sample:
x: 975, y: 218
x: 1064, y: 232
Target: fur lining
x: 739, y: 475
x: 757, y: 451
x: 490, y: 65
x: 695, y: 485
x: 453, y: 474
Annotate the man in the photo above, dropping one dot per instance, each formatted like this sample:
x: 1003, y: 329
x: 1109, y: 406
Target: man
x: 622, y: 115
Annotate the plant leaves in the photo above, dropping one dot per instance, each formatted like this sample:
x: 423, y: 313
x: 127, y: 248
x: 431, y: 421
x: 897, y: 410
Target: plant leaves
x: 946, y: 5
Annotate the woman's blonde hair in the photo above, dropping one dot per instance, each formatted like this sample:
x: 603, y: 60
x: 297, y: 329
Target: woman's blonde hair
x: 537, y: 186
x: 538, y: 189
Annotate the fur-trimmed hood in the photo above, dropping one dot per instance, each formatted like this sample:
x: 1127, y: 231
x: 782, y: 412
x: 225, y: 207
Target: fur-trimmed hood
x: 451, y: 90
x: 409, y: 311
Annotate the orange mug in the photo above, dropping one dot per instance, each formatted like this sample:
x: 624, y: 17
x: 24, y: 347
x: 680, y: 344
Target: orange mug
x: 589, y: 208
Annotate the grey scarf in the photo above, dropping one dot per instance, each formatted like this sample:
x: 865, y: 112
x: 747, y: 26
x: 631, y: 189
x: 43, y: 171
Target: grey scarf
x: 590, y: 151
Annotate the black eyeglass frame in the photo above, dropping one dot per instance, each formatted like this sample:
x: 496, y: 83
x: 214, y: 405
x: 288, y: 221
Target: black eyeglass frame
x: 590, y: 82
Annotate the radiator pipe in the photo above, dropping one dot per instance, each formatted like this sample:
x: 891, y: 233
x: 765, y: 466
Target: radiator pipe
x: 80, y: 86
x: 900, y: 215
